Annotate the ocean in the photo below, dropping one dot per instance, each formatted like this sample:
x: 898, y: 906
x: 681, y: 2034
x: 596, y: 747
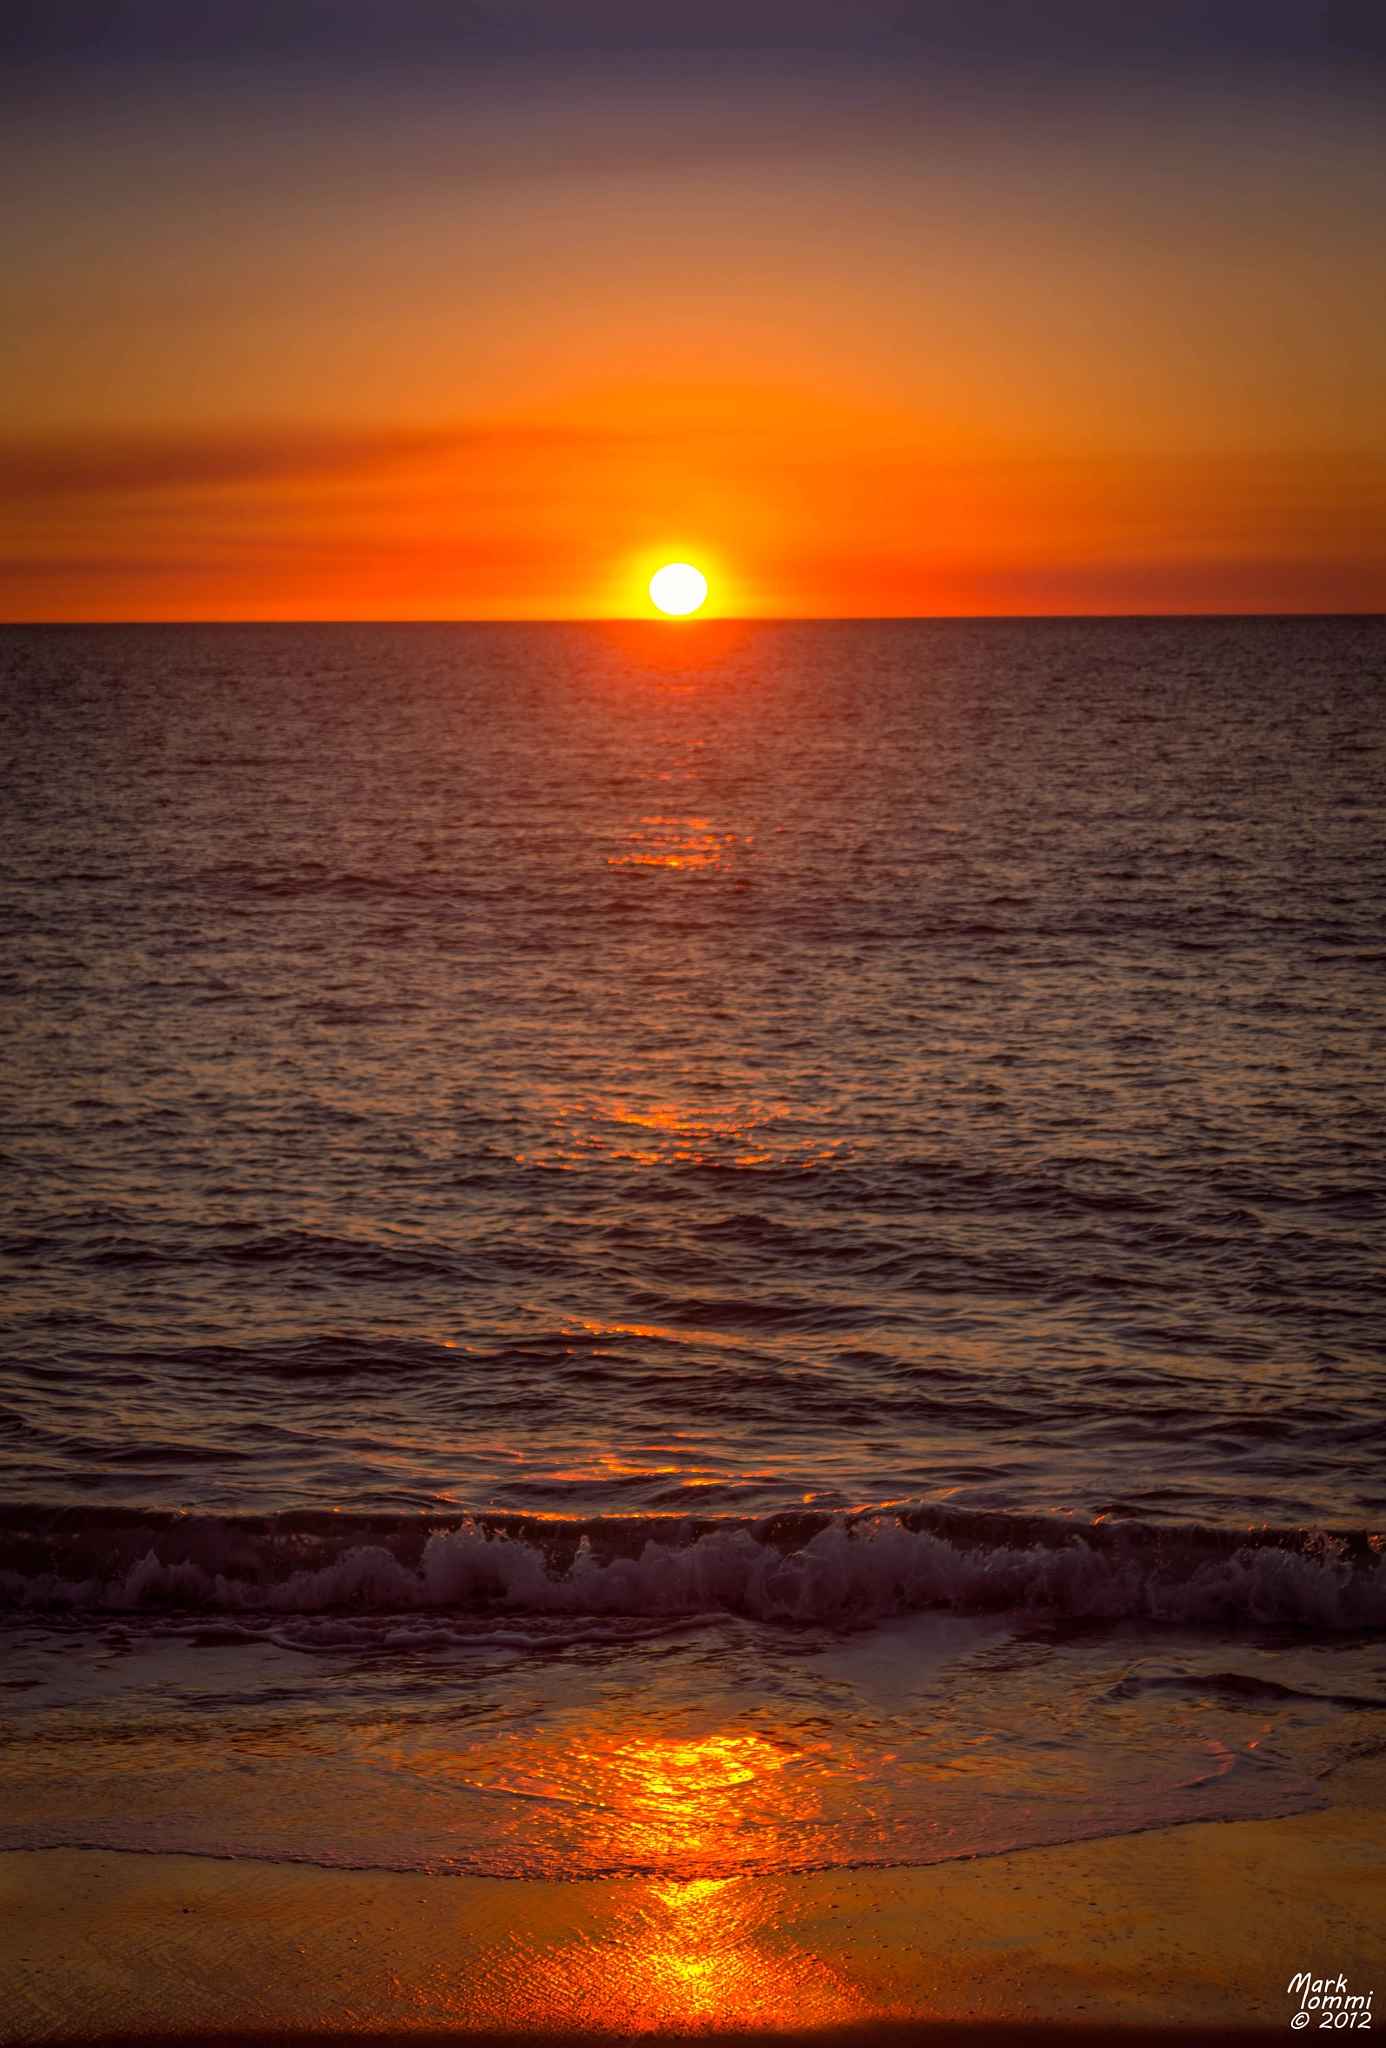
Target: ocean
x: 690, y: 1249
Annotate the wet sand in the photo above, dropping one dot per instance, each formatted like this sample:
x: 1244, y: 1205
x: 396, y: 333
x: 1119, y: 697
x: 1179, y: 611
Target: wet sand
x: 1188, y: 1933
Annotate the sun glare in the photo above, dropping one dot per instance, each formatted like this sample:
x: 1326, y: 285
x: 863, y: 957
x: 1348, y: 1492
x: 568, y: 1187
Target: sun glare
x: 678, y: 588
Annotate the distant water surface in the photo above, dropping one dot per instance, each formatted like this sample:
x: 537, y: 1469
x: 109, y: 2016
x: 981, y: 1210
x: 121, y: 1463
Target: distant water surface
x: 708, y: 1150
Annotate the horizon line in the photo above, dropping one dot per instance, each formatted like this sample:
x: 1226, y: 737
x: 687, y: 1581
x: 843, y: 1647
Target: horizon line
x: 677, y: 624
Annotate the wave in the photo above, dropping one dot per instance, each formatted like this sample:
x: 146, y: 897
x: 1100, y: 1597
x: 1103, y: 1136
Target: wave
x: 830, y: 1568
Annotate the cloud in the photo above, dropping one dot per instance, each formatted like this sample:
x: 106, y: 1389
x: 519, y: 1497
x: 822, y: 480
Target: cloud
x: 42, y: 467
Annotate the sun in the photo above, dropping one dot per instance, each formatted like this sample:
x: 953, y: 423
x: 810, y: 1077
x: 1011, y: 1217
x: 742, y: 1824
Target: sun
x: 678, y: 588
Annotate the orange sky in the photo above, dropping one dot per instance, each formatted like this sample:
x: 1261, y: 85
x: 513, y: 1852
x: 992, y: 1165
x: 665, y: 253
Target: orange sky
x: 498, y: 350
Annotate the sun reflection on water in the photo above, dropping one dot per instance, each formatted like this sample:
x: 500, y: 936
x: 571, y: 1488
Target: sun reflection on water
x: 666, y: 1806
x: 738, y: 1134
x: 661, y: 842
x: 675, y: 1802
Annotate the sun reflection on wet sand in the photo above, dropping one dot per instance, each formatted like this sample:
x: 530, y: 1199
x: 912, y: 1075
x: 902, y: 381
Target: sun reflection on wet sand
x: 678, y: 1958
x: 670, y: 1954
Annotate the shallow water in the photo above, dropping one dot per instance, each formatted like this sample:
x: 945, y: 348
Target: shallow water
x: 778, y: 1224
x: 506, y: 1747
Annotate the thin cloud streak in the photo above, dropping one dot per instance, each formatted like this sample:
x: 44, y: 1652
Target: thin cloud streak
x: 36, y: 467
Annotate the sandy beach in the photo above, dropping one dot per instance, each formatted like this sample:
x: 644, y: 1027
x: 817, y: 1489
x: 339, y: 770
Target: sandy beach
x: 1192, y: 1931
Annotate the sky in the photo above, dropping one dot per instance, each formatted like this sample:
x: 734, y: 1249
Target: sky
x: 438, y: 309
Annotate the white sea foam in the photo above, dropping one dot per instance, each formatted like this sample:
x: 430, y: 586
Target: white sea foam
x: 849, y: 1569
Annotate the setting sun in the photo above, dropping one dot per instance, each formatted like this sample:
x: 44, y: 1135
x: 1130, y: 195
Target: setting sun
x: 678, y: 588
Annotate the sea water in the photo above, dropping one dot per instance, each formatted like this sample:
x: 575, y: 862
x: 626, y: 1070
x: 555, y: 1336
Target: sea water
x: 690, y: 1248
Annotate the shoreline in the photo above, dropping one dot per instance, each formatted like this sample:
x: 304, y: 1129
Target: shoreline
x: 1188, y: 1933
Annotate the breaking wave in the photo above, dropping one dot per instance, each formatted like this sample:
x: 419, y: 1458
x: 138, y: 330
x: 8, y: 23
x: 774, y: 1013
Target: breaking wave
x: 795, y: 1567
